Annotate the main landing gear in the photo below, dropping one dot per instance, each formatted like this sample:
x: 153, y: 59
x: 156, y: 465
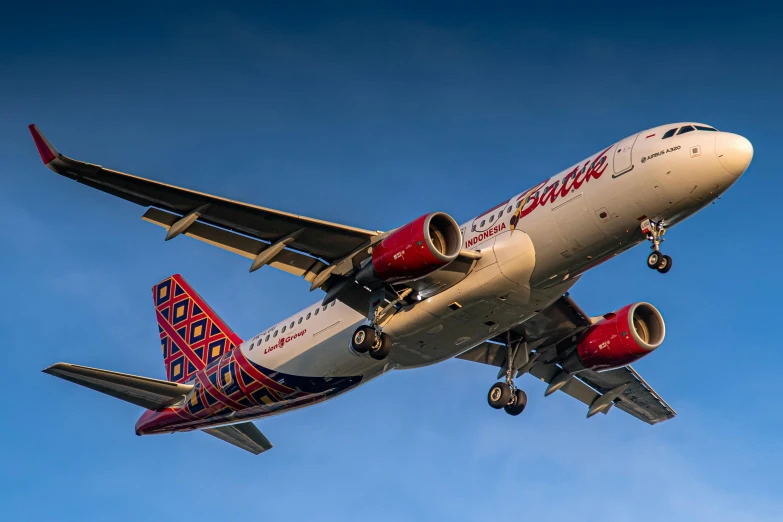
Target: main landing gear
x: 505, y: 394
x: 370, y: 338
x: 655, y: 231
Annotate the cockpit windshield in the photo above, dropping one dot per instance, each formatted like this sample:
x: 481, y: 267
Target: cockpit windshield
x: 687, y: 128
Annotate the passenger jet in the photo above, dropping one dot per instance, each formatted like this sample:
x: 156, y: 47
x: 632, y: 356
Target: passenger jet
x: 493, y: 290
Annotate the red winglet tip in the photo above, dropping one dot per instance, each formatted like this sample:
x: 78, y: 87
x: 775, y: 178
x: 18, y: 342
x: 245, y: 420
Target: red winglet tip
x: 45, y: 149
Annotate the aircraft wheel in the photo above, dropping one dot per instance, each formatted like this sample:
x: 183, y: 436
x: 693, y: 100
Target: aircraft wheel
x: 665, y: 264
x: 499, y: 395
x: 520, y: 401
x: 381, y: 348
x: 363, y: 339
x: 654, y: 259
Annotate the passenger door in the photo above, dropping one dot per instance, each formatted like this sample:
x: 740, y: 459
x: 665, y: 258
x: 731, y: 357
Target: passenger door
x: 623, y: 162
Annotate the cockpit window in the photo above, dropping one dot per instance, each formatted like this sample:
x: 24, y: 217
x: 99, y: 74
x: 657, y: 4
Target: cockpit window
x: 687, y: 128
x: 669, y: 133
x: 702, y: 127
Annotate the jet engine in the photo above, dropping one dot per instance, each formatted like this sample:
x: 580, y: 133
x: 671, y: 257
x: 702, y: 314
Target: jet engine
x: 413, y: 250
x: 620, y: 338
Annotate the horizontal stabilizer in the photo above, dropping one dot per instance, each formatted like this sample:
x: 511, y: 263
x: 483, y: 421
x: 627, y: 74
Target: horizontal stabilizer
x: 152, y: 394
x: 244, y: 435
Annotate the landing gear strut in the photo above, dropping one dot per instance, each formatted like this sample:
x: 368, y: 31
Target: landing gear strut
x: 505, y: 394
x: 655, y: 231
x: 370, y: 338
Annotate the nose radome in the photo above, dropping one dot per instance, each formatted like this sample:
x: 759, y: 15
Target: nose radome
x: 734, y: 152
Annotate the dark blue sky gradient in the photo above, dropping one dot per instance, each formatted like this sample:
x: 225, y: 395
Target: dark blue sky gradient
x: 371, y: 114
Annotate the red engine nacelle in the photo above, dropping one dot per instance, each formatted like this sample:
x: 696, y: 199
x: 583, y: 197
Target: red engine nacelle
x: 621, y: 337
x: 414, y: 250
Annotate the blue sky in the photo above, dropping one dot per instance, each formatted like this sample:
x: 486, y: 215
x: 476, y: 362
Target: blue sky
x: 371, y: 114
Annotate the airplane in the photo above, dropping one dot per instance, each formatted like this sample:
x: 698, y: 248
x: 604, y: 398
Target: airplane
x: 493, y: 290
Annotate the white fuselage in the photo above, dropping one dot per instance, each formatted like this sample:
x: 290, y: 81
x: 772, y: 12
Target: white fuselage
x: 556, y: 239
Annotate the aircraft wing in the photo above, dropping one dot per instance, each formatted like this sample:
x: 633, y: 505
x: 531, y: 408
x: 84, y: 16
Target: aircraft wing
x: 622, y: 387
x: 239, y: 227
x: 244, y: 435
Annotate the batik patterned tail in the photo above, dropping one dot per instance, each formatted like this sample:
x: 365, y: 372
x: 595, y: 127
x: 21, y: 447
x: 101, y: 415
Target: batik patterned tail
x: 192, y: 336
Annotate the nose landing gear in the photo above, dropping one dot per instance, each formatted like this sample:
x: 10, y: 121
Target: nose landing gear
x: 655, y: 231
x: 505, y: 394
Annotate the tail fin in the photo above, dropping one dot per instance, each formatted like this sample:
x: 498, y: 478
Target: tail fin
x: 191, y: 334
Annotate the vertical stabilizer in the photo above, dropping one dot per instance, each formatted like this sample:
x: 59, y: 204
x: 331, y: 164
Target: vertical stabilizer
x: 192, y: 335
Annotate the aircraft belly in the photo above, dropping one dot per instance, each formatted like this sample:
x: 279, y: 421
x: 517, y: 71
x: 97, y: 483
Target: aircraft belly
x: 494, y: 297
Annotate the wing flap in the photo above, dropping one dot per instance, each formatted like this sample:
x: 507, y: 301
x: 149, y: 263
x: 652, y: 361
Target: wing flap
x: 574, y: 387
x: 638, y: 399
x: 287, y: 260
x: 152, y: 394
x: 244, y: 435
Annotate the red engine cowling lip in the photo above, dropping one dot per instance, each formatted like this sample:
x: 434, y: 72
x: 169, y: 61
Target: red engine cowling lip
x: 445, y: 258
x: 408, y: 252
x: 613, y: 342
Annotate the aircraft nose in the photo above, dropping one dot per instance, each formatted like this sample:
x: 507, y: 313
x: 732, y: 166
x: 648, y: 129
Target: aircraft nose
x: 734, y: 152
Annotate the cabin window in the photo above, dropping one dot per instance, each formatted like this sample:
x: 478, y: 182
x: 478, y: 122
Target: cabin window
x: 251, y: 345
x: 324, y: 308
x: 283, y: 330
x: 274, y: 334
x: 701, y: 127
x: 669, y: 133
x: 267, y: 338
x: 519, y: 203
x: 308, y: 316
x: 291, y: 325
x: 491, y: 218
x: 508, y: 210
x: 300, y: 320
x: 482, y: 223
x: 687, y: 128
x: 316, y: 311
x: 500, y: 214
x: 334, y: 302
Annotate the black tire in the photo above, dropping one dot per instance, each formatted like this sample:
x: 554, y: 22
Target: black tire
x: 653, y: 260
x: 665, y: 265
x: 520, y: 401
x: 363, y: 339
x: 382, y: 348
x: 499, y: 395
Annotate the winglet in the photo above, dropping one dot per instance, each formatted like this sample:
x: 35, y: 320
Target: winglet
x: 45, y: 149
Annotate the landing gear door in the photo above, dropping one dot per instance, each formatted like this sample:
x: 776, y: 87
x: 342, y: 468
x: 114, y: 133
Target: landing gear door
x: 623, y: 162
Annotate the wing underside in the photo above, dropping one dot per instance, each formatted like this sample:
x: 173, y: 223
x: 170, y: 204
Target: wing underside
x: 622, y: 387
x: 321, y: 252
x: 314, y: 237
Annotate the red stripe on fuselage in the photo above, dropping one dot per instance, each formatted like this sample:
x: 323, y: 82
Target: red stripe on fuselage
x: 251, y: 370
